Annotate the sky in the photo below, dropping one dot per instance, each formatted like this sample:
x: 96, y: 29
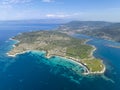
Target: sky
x: 94, y: 10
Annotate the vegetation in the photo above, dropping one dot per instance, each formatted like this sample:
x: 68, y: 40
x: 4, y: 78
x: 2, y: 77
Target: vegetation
x: 93, y: 65
x: 59, y: 44
x: 100, y: 29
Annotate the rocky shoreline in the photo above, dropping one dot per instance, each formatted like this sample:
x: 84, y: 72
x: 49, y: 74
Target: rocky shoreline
x: 78, y: 61
x: 59, y: 44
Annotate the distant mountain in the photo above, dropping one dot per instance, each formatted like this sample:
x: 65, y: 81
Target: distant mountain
x: 40, y: 21
x: 106, y: 30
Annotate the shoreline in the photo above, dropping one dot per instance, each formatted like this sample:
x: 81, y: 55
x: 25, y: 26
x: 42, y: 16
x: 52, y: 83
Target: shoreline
x: 93, y: 50
x: 17, y: 41
x: 92, y: 56
x: 78, y: 61
x: 66, y: 58
x: 14, y: 55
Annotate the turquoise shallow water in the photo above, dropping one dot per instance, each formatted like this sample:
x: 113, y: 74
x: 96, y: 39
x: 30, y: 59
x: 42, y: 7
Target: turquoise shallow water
x: 33, y: 71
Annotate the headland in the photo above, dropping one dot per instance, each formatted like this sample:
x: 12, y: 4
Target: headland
x: 55, y: 43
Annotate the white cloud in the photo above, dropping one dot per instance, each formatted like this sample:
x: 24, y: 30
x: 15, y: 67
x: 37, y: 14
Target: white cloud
x: 8, y: 2
x: 11, y: 14
x: 57, y: 15
x: 3, y: 6
x: 63, y: 15
x: 47, y: 1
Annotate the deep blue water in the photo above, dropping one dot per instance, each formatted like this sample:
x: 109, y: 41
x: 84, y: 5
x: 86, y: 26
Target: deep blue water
x: 32, y: 71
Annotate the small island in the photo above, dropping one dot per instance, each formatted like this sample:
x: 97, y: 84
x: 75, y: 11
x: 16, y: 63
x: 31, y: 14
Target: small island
x: 55, y: 43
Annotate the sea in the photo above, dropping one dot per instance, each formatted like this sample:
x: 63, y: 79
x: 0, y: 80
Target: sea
x: 33, y: 71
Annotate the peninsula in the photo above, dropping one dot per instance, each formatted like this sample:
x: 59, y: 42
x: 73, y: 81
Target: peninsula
x: 55, y: 43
